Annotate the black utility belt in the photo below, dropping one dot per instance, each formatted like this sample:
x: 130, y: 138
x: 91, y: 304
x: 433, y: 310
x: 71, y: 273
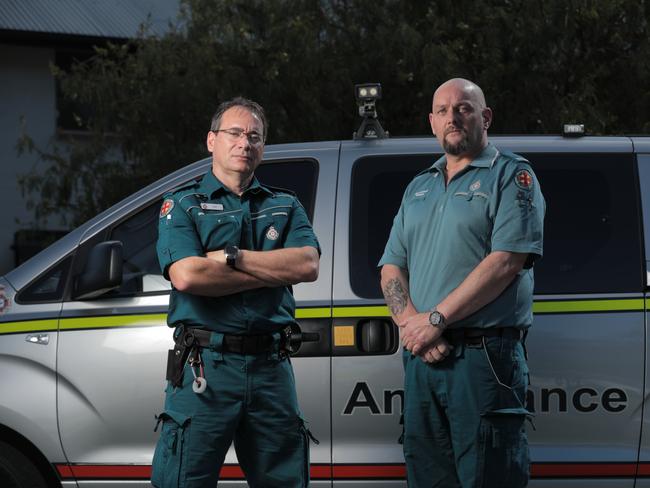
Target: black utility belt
x: 190, y: 339
x: 240, y: 344
x: 474, y: 335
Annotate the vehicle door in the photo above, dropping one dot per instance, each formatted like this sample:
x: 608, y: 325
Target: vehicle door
x: 113, y: 349
x: 642, y: 146
x: 587, y: 345
x: 367, y: 373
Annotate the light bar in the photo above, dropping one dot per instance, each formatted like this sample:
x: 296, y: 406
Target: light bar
x: 368, y: 92
x: 573, y: 130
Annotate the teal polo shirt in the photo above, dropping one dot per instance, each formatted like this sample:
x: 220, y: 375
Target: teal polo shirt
x: 440, y: 234
x: 206, y: 216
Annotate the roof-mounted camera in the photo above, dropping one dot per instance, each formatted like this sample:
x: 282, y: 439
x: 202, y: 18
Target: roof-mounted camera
x: 367, y: 95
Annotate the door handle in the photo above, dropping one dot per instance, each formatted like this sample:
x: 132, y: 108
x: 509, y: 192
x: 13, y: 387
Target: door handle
x: 376, y: 335
x: 42, y: 339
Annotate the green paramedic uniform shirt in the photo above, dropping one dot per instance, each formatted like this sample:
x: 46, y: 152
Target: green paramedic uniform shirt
x: 441, y: 234
x: 206, y: 216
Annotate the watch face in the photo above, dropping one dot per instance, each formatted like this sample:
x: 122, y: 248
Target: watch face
x: 435, y: 318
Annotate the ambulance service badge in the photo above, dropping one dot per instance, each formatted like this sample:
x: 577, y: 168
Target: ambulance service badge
x: 272, y: 234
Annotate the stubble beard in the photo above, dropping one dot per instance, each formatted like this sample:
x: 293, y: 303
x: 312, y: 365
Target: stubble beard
x: 469, y: 143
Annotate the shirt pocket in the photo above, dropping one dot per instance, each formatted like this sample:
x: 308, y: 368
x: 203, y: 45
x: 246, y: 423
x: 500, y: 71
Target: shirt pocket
x: 472, y: 204
x: 270, y: 229
x: 218, y: 229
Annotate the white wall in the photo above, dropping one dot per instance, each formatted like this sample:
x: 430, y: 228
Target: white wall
x: 27, y: 89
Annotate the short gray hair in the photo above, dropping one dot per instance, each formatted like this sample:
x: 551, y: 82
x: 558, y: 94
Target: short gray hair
x: 254, y: 108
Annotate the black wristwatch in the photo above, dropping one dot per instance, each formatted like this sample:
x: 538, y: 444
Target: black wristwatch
x: 437, y: 319
x: 231, y: 252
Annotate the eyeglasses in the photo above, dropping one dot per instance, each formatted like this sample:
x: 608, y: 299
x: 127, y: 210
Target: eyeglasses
x: 234, y: 134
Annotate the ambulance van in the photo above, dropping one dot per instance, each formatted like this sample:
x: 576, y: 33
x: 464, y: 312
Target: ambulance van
x: 84, y: 339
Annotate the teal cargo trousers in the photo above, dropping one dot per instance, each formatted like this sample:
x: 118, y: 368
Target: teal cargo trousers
x: 251, y: 400
x: 464, y: 417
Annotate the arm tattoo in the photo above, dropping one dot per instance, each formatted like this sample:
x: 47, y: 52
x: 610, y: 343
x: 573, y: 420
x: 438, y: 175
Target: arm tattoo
x: 396, y: 296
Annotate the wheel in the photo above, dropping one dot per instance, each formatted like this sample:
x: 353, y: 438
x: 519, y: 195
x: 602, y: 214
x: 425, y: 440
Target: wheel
x: 17, y: 471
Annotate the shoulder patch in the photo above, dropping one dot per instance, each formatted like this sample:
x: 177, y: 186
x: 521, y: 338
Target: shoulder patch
x: 523, y: 179
x: 167, y: 207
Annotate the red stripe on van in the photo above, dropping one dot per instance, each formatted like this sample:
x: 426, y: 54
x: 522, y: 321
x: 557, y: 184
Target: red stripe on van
x: 360, y: 471
x: 582, y: 470
x: 143, y: 472
x: 369, y: 471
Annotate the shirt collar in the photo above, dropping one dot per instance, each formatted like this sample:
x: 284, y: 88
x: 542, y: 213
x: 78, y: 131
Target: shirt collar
x: 210, y: 184
x: 485, y: 159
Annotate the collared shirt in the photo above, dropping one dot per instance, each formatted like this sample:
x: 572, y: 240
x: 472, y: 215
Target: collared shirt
x: 206, y: 216
x: 441, y: 233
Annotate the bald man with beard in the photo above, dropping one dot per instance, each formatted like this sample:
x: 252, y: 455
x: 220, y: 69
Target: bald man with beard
x: 457, y: 275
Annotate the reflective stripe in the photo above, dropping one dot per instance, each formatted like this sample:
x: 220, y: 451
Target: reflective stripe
x: 28, y: 326
x: 620, y: 305
x: 313, y: 313
x: 152, y: 320
x: 114, y: 321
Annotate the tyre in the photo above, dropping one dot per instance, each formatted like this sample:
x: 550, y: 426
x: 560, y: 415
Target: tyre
x: 17, y: 471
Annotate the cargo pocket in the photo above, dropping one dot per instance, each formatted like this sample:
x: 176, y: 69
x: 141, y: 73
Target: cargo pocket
x: 503, y: 449
x: 306, y: 437
x: 169, y: 459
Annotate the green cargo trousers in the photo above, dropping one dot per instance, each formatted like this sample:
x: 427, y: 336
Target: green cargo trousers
x: 251, y: 400
x: 464, y: 417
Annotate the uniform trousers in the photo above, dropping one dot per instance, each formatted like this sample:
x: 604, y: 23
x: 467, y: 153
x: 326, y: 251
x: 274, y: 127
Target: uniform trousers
x: 464, y: 417
x: 251, y: 400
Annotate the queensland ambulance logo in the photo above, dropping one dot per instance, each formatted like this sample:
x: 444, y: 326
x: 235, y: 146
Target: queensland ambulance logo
x: 523, y: 179
x: 272, y: 234
x: 475, y: 186
x: 4, y: 301
x: 166, y: 208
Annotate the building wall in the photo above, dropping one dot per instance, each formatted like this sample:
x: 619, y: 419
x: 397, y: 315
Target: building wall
x: 27, y: 91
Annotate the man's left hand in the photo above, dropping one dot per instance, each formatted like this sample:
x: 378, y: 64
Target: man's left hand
x: 417, y: 332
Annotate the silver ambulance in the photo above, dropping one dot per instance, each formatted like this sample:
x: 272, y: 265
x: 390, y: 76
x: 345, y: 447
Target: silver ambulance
x: 83, y: 337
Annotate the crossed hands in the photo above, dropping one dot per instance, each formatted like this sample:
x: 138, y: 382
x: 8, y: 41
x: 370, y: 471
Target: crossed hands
x: 423, y: 339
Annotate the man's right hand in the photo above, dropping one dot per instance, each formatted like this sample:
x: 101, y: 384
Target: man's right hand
x: 436, y: 351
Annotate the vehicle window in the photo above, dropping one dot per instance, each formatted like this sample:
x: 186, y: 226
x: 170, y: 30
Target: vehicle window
x: 139, y: 234
x: 299, y: 176
x: 378, y: 184
x: 48, y: 287
x: 592, y: 235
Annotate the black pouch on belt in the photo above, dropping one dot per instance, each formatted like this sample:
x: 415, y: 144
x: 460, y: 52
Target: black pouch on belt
x: 177, y: 357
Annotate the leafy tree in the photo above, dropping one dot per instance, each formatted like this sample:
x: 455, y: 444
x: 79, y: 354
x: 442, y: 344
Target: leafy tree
x: 540, y: 63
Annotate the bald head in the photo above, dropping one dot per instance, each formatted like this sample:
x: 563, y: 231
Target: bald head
x: 471, y: 90
x: 459, y: 118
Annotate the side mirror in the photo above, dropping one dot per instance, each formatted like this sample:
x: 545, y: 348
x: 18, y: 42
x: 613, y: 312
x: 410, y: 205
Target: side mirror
x: 102, y: 273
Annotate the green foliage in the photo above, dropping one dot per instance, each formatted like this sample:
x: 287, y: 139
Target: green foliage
x: 540, y: 64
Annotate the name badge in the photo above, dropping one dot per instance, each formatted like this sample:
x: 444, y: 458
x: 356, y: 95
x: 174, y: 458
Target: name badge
x: 212, y: 206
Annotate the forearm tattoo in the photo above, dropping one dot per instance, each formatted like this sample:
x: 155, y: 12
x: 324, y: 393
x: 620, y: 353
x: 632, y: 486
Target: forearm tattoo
x: 396, y: 296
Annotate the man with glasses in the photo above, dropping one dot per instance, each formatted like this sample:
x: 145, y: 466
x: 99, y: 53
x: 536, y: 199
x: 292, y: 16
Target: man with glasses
x: 232, y: 247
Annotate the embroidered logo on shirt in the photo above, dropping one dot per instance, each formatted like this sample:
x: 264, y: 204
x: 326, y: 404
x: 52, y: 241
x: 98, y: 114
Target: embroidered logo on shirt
x: 475, y: 186
x: 167, y: 207
x: 523, y: 179
x: 272, y: 234
x: 421, y: 193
